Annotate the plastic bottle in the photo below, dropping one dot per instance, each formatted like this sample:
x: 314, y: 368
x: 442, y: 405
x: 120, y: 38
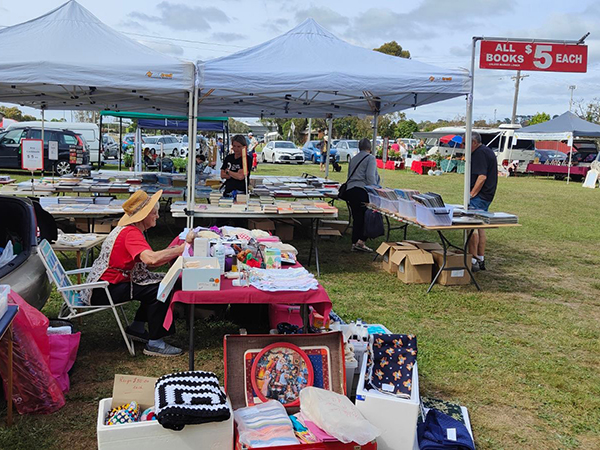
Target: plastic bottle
x: 220, y: 255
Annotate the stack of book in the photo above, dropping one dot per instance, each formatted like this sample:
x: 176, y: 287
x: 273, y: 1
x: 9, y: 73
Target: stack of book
x: 225, y: 202
x: 430, y: 200
x: 214, y: 197
x: 497, y: 218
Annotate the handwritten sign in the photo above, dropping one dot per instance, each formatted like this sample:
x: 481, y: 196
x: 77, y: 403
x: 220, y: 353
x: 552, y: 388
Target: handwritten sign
x: 132, y: 387
x: 32, y: 154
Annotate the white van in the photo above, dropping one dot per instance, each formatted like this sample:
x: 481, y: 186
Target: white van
x: 89, y: 131
x: 498, y: 139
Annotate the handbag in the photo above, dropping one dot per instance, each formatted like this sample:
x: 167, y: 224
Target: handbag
x: 373, y: 227
x: 344, y: 186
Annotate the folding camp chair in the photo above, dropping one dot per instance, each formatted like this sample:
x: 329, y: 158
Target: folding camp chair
x: 73, y: 307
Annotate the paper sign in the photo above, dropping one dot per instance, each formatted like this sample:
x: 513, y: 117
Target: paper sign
x: 32, y: 154
x: 53, y: 150
x: 131, y: 387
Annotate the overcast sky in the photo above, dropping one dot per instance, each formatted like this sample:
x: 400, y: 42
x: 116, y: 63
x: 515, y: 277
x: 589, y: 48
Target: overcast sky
x: 434, y: 31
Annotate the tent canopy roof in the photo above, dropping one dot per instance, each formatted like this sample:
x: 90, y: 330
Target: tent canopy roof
x: 309, y: 72
x: 138, y: 115
x: 68, y: 59
x: 564, y: 125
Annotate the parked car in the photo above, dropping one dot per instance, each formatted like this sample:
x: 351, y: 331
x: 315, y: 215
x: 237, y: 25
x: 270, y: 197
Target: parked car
x: 72, y: 148
x: 347, y: 149
x: 110, y: 147
x: 550, y: 156
x: 312, y: 152
x: 282, y: 152
x: 25, y: 273
x: 171, y: 146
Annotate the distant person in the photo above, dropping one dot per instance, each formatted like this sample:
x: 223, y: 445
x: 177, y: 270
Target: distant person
x: 324, y: 144
x: 362, y: 171
x: 232, y: 169
x: 484, y: 180
x: 395, y: 146
x: 221, y: 148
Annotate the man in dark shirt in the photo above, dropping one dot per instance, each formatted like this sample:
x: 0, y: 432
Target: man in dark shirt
x: 484, y: 180
x: 232, y: 170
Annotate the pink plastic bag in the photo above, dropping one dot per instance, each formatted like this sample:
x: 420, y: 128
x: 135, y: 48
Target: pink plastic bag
x: 63, y: 352
x: 35, y: 390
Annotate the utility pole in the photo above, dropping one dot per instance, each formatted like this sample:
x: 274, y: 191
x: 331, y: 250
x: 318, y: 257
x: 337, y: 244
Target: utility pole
x: 517, y: 79
x: 572, y: 88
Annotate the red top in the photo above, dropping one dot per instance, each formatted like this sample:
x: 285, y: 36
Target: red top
x: 125, y: 253
x: 395, y: 146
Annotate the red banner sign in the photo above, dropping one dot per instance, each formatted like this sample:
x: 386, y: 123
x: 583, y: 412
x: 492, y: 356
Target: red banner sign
x: 507, y: 55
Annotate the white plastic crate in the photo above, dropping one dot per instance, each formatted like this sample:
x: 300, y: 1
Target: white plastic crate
x: 389, y: 205
x: 407, y: 208
x: 151, y: 435
x: 433, y: 217
x: 395, y: 417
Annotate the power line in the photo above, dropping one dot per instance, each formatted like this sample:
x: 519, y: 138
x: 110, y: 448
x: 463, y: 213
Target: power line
x: 183, y: 40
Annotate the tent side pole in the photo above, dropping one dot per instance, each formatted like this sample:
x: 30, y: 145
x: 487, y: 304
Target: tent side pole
x: 329, y: 141
x: 191, y: 169
x: 100, y: 144
x: 374, y: 147
x: 309, y: 130
x: 120, y: 140
x: 469, y: 130
x: 570, y: 160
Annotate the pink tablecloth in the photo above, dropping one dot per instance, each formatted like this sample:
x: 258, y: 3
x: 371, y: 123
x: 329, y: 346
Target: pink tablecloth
x: 318, y: 298
x: 420, y: 166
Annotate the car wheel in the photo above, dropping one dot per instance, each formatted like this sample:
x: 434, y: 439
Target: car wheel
x: 174, y: 153
x: 63, y: 168
x: 348, y: 158
x: 262, y: 157
x: 313, y: 158
x: 273, y: 158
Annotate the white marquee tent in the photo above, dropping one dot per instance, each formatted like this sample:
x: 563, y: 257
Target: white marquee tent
x: 309, y: 72
x: 68, y: 59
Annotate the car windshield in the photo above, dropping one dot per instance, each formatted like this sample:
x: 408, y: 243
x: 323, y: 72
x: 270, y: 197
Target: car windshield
x: 150, y: 140
x: 353, y: 144
x: 284, y: 145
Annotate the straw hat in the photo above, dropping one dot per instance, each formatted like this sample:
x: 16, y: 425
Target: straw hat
x: 138, y: 206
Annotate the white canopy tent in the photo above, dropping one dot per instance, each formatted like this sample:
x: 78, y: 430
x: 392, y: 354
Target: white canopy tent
x: 68, y: 59
x: 309, y: 72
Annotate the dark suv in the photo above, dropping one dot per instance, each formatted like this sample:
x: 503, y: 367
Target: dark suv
x: 72, y: 148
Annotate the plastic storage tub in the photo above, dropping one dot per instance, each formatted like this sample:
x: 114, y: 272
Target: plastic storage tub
x: 407, y: 208
x: 389, y: 205
x: 374, y: 199
x: 434, y: 217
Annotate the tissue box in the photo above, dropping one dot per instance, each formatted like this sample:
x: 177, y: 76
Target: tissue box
x: 207, y: 277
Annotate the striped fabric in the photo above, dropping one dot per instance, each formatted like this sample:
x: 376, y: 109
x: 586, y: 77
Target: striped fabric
x: 265, y: 425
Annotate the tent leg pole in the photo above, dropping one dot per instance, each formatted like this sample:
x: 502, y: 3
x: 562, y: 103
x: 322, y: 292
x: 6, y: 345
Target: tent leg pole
x: 191, y: 175
x: 374, y: 146
x: 100, y: 144
x: 469, y: 131
x: 329, y: 140
x: 120, y: 140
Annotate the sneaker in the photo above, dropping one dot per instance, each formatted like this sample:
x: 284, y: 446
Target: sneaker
x: 137, y: 336
x: 168, y: 350
x: 481, y: 265
x: 361, y: 248
x: 475, y: 267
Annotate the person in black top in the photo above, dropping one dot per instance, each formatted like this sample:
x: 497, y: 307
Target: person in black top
x: 484, y: 180
x: 232, y: 170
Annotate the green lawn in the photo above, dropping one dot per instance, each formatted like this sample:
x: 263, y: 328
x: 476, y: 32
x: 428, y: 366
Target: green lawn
x: 523, y: 355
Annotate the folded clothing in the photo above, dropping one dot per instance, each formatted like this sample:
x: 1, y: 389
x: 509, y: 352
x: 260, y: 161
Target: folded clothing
x: 442, y: 432
x: 391, y: 361
x: 186, y: 398
x: 265, y: 425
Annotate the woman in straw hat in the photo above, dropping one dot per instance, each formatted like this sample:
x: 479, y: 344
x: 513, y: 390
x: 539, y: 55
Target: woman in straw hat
x: 123, y: 262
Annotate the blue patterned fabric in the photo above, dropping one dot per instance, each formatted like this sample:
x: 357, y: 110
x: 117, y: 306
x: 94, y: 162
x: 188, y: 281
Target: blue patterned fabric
x: 391, y: 361
x: 442, y: 432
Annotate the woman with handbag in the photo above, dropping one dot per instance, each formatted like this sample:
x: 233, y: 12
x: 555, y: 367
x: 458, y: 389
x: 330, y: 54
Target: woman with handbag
x: 362, y: 171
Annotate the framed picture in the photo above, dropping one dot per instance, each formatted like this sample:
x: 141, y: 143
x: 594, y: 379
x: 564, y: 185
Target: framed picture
x: 279, y: 372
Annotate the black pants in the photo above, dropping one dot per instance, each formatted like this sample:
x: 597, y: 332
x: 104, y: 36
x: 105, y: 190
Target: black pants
x: 151, y: 310
x: 357, y: 197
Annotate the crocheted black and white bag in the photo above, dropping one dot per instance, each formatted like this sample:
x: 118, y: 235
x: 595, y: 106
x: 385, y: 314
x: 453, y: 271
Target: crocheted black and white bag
x: 187, y: 398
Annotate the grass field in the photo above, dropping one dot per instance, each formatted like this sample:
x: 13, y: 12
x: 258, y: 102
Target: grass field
x: 523, y: 355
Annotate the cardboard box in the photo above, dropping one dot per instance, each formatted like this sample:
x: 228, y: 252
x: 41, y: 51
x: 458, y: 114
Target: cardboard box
x: 284, y: 230
x: 207, y: 277
x: 414, y: 265
x: 340, y: 225
x: 151, y: 435
x: 395, y: 417
x: 261, y: 224
x: 458, y: 275
x: 387, y: 250
x: 426, y: 245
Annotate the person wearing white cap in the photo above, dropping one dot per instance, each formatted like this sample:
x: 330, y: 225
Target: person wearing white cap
x: 123, y: 262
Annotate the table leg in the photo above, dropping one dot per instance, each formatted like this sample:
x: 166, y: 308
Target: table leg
x: 191, y: 347
x: 387, y: 220
x: 304, y: 313
x: 465, y: 255
x: 78, y: 259
x: 437, y: 275
x: 9, y: 395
